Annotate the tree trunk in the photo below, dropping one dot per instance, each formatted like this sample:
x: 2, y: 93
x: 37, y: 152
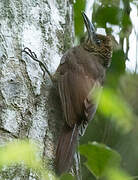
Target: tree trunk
x: 29, y: 102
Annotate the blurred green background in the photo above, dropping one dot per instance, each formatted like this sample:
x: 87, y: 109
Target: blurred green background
x: 116, y: 121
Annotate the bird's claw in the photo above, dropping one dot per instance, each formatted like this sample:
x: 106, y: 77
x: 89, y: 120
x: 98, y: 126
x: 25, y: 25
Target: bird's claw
x: 30, y: 53
x: 34, y: 57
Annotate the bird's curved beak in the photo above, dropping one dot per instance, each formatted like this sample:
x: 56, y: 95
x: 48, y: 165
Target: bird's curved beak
x: 90, y: 29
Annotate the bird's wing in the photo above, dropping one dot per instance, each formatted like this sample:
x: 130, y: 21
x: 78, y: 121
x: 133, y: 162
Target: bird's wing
x: 90, y: 105
x: 75, y: 88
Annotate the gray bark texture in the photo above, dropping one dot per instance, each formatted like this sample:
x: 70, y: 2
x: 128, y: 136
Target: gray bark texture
x: 29, y: 103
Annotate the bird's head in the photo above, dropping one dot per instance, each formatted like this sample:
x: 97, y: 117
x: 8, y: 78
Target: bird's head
x: 97, y: 43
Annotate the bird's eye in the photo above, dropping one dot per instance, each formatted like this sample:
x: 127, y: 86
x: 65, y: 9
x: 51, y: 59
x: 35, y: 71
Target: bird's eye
x: 98, y: 41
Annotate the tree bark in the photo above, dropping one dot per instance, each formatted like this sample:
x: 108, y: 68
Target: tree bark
x: 30, y: 105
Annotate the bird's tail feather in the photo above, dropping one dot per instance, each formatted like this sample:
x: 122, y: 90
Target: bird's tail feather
x: 66, y: 149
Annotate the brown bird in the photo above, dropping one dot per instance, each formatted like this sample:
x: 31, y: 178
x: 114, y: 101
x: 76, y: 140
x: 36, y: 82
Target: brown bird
x: 81, y: 70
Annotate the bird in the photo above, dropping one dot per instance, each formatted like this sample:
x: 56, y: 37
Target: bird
x: 81, y: 71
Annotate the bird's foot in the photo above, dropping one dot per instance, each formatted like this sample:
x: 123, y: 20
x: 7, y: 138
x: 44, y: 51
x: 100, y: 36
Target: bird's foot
x: 34, y: 57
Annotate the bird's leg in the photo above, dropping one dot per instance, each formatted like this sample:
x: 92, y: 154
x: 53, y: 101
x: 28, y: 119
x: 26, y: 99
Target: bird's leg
x: 34, y: 57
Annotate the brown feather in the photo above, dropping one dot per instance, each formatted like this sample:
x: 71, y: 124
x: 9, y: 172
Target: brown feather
x: 79, y: 74
x: 66, y: 149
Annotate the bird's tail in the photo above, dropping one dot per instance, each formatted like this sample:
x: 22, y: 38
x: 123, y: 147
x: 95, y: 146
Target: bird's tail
x: 66, y: 149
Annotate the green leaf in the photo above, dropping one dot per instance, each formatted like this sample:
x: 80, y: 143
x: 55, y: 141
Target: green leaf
x: 18, y: 152
x: 113, y: 105
x: 111, y: 2
x: 24, y: 152
x: 79, y: 23
x: 106, y: 14
x: 117, y: 174
x: 67, y: 177
x: 99, y: 158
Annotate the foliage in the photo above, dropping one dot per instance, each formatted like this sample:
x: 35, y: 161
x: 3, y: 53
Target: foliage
x: 115, y: 122
x: 105, y: 14
x: 99, y: 158
x: 79, y: 25
x: 114, y: 105
x: 23, y: 152
x: 67, y: 177
x: 117, y: 174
